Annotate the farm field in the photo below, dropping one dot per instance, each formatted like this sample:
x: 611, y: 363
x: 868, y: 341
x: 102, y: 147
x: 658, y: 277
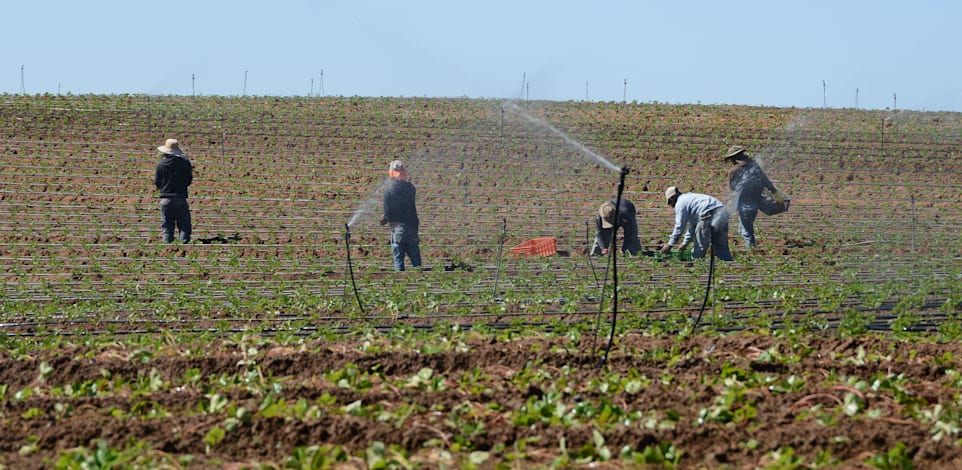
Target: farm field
x: 259, y: 345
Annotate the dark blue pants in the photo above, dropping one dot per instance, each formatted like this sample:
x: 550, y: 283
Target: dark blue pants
x: 631, y: 244
x: 175, y: 213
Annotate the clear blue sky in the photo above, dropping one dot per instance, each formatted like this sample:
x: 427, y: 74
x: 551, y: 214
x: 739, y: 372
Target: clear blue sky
x: 876, y: 54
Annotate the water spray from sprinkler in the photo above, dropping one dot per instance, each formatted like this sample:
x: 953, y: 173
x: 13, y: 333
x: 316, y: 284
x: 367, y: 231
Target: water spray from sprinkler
x: 569, y: 140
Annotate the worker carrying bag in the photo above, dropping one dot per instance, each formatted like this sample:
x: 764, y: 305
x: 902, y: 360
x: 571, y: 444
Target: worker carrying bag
x: 771, y: 205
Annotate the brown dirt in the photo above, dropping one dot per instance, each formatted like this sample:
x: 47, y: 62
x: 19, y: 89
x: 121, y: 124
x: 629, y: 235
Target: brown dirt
x: 782, y: 419
x: 347, y: 141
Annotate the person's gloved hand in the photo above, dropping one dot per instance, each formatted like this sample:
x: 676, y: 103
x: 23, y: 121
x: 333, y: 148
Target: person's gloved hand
x: 779, y: 197
x: 383, y: 221
x: 665, y: 248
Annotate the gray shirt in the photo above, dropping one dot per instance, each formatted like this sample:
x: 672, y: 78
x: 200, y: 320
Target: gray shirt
x: 689, y: 208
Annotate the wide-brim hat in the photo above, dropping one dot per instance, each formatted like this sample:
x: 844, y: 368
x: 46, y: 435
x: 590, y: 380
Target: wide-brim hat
x: 671, y: 192
x: 170, y: 147
x: 607, y: 213
x: 734, y: 151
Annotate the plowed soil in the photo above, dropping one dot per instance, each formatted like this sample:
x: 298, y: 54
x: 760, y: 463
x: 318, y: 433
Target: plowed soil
x: 683, y: 382
x: 115, y: 349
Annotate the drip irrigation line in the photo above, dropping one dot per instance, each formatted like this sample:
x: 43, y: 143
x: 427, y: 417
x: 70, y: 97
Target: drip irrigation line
x: 879, y: 324
x: 711, y: 271
x: 350, y: 267
x: 497, y: 273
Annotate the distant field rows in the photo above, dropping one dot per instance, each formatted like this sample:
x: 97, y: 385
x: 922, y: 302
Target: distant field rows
x: 876, y: 199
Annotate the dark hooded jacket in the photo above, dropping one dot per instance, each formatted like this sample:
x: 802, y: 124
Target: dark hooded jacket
x: 174, y: 174
x: 629, y: 226
x: 748, y: 180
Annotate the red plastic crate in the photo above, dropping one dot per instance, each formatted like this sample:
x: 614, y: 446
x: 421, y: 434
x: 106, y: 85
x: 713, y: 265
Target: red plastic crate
x: 544, y: 246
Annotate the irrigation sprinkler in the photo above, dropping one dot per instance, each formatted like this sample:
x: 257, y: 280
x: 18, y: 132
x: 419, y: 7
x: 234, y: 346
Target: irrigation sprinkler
x: 601, y: 296
x: 524, y: 77
x: 882, y: 139
x: 497, y: 272
x: 464, y: 202
x: 502, y: 131
x: 350, y: 267
x: 588, y: 252
x: 913, y: 221
x: 149, y: 126
x: 612, y: 252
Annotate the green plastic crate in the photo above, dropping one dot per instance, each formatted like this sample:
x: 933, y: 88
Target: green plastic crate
x: 680, y: 255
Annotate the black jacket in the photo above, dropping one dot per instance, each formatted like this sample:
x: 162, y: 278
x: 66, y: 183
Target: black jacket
x: 174, y: 174
x: 399, y: 207
x: 748, y: 180
x: 628, y: 222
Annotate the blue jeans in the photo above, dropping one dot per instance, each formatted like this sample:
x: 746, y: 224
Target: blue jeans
x: 175, y: 212
x: 404, y: 241
x: 747, y: 211
x: 713, y: 232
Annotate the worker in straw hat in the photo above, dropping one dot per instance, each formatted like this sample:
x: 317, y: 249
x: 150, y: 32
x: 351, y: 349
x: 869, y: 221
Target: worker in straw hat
x: 173, y: 175
x: 401, y: 213
x: 703, y: 219
x: 605, y: 225
x: 749, y: 184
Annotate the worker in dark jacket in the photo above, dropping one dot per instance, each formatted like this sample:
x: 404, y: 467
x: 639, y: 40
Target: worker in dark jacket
x: 747, y: 181
x: 605, y: 222
x: 401, y: 213
x: 174, y: 174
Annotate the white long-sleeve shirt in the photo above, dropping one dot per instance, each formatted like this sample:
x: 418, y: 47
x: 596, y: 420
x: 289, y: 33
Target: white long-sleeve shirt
x: 689, y: 208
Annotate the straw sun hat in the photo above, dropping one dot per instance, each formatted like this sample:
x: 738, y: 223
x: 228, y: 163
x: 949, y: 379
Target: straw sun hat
x: 170, y: 147
x: 607, y: 213
x: 734, y: 151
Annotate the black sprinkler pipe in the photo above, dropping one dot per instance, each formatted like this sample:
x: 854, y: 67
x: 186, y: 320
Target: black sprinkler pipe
x: 350, y: 267
x: 612, y: 250
x: 497, y: 273
x: 590, y: 246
